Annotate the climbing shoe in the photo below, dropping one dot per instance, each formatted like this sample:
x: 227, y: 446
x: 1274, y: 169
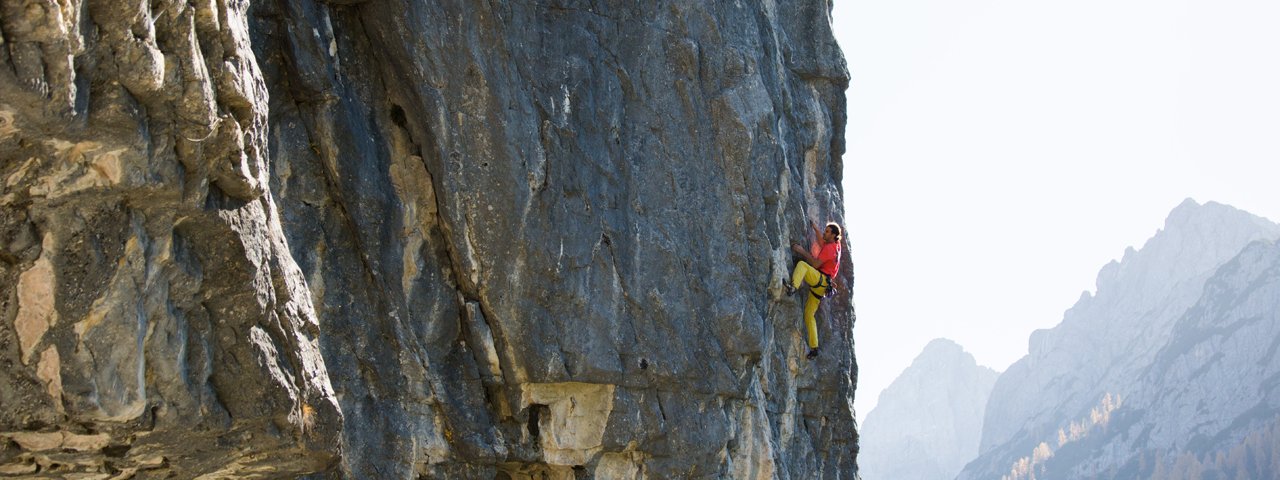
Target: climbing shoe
x: 813, y: 353
x: 790, y: 289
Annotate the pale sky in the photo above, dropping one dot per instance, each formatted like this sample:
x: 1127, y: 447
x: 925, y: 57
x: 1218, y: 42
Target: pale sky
x: 1000, y: 152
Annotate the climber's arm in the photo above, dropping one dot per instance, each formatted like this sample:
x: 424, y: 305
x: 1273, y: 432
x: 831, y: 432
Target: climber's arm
x: 804, y: 253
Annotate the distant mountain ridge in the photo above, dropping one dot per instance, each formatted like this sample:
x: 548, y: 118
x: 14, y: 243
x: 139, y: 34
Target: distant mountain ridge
x: 1150, y: 333
x: 926, y: 424
x: 1211, y: 387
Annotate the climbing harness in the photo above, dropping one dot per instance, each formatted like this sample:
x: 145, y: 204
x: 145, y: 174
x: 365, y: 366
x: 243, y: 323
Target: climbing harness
x: 825, y: 285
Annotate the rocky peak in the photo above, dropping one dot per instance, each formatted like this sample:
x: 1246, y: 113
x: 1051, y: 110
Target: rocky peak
x: 1213, y: 230
x: 927, y: 423
x: 1204, y: 406
x: 1106, y: 341
x: 1148, y: 287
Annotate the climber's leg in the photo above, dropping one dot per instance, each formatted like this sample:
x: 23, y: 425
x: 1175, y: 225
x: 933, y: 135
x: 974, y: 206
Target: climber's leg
x: 806, y: 273
x: 810, y: 310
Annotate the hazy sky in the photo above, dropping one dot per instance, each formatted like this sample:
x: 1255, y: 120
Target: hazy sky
x: 1000, y: 152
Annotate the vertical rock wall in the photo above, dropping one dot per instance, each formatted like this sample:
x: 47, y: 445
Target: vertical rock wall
x: 154, y: 321
x: 420, y: 239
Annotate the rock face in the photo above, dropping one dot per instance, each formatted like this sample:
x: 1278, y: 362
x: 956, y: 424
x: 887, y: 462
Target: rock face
x: 1119, y: 351
x: 418, y: 239
x: 927, y: 424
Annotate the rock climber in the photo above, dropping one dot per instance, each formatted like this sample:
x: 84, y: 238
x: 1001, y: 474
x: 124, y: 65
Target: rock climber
x: 819, y: 278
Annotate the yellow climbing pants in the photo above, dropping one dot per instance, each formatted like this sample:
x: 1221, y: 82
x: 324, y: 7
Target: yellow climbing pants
x: 809, y: 275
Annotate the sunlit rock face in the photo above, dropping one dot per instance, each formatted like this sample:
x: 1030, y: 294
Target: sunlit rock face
x: 418, y: 239
x: 927, y: 423
x: 1179, y: 336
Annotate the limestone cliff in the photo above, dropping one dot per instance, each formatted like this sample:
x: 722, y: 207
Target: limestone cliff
x: 427, y: 239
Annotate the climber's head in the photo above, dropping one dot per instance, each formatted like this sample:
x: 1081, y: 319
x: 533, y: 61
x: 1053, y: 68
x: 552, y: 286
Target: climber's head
x: 831, y: 233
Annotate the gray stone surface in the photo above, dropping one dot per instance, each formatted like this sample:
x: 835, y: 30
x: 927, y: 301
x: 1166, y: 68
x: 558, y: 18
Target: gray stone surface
x: 927, y: 423
x: 418, y: 239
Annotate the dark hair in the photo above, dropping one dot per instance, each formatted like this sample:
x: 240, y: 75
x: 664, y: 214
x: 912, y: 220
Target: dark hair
x: 834, y: 226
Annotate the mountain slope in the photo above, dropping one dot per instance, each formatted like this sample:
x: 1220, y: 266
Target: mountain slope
x: 1107, y: 341
x: 1214, y: 384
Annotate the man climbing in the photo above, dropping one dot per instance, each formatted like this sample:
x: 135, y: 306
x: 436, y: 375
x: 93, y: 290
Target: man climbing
x: 819, y: 279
